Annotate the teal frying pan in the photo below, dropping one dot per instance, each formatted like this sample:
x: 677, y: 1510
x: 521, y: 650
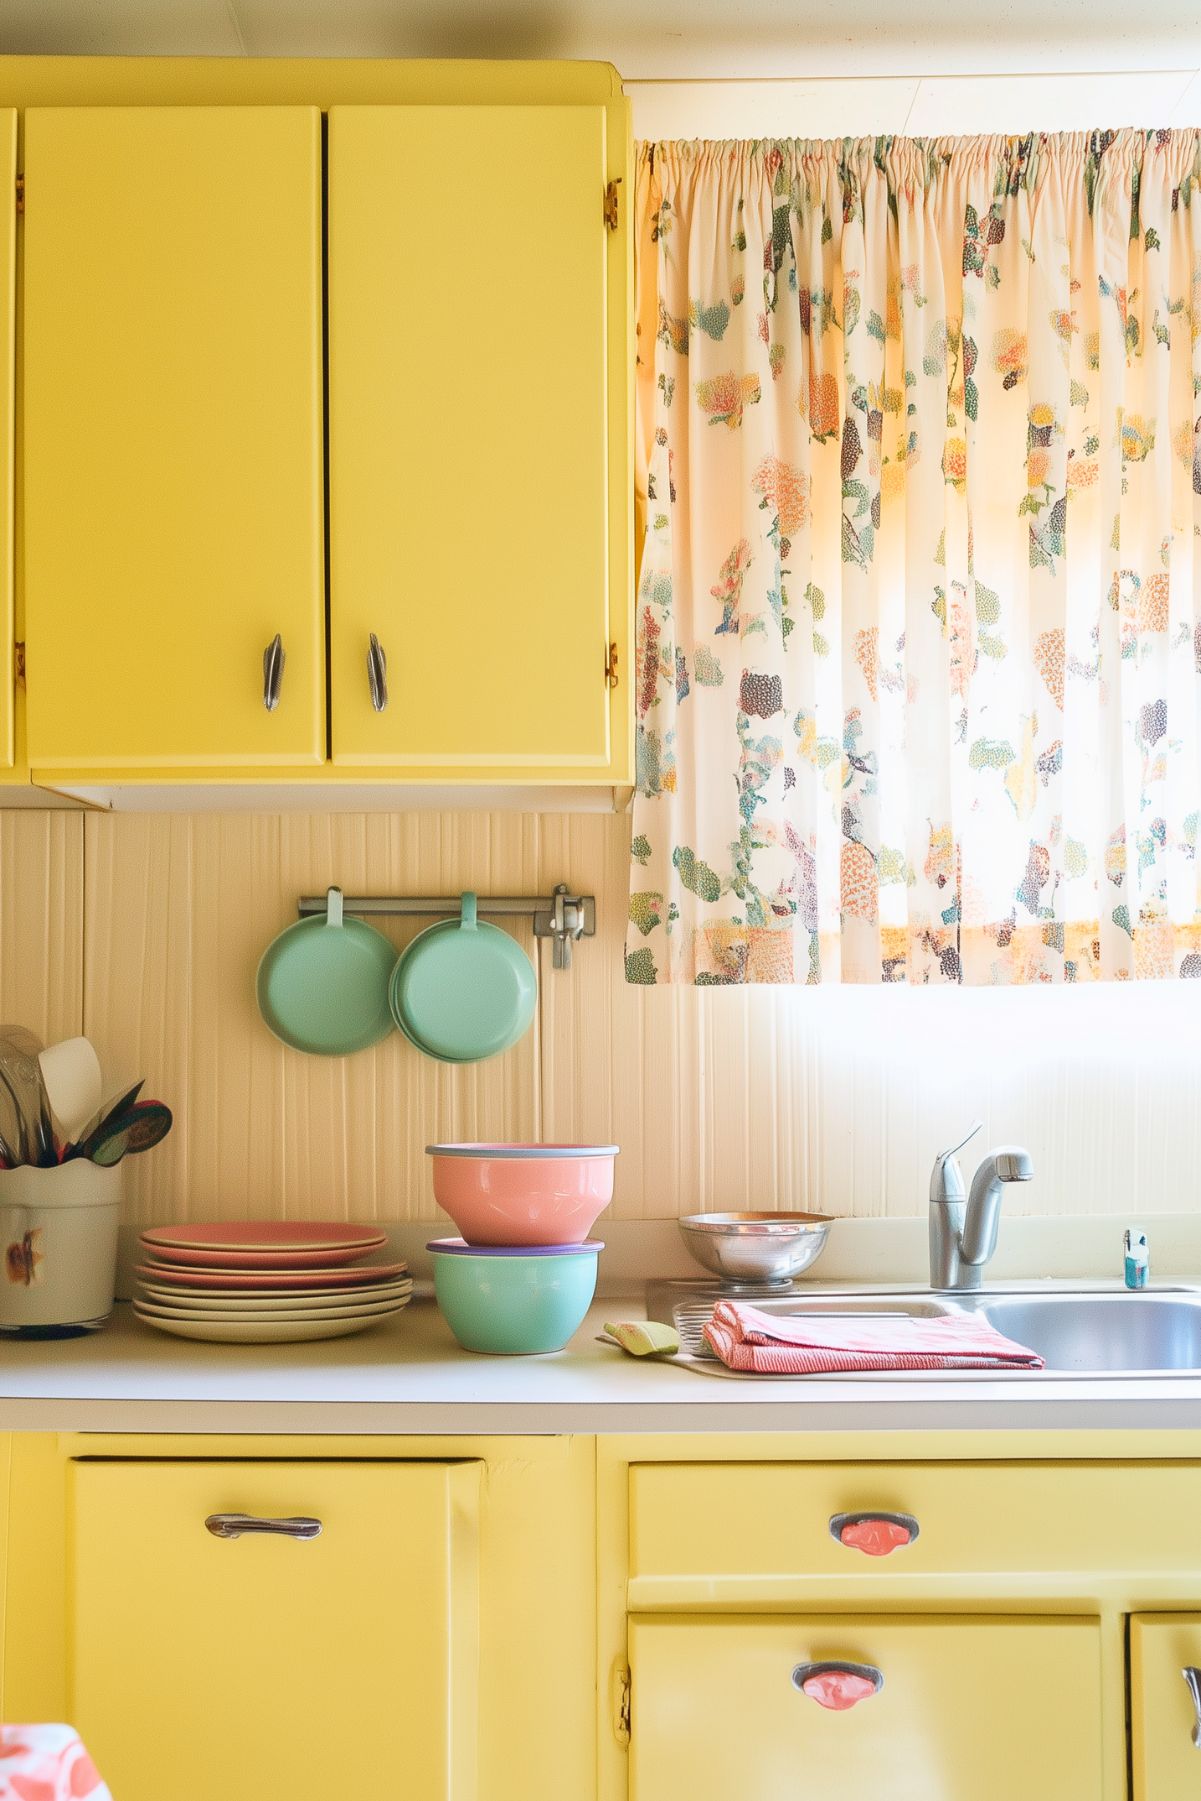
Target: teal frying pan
x: 463, y: 990
x: 322, y: 985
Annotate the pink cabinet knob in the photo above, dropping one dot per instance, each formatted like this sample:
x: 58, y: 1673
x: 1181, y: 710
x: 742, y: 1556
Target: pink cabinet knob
x: 838, y: 1686
x: 875, y: 1534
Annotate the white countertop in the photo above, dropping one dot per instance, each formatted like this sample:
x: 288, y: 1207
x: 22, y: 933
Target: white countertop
x: 407, y: 1376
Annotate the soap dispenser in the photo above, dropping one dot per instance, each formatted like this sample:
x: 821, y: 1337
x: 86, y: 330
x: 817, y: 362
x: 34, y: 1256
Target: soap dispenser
x: 1137, y: 1258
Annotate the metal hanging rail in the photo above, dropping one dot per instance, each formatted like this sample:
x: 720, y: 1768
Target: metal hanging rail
x: 563, y: 916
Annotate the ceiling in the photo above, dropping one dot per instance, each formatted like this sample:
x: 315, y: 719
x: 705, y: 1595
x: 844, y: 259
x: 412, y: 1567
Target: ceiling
x: 673, y: 40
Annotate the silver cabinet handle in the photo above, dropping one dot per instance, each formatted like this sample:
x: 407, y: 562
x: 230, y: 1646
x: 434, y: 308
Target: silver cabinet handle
x: 875, y: 1534
x: 837, y: 1685
x: 273, y: 672
x: 1192, y: 1677
x: 233, y: 1525
x: 377, y: 673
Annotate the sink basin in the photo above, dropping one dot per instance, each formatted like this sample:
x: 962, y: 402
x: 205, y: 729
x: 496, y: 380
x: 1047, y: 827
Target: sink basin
x: 1126, y: 1333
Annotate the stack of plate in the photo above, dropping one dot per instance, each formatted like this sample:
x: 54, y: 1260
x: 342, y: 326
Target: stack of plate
x: 266, y: 1282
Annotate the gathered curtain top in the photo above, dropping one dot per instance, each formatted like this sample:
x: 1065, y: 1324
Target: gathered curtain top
x: 1027, y: 161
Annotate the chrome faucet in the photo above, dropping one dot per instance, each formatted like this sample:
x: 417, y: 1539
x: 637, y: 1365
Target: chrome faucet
x: 963, y: 1233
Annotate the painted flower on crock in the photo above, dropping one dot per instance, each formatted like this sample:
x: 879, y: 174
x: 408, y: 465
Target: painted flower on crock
x: 723, y: 397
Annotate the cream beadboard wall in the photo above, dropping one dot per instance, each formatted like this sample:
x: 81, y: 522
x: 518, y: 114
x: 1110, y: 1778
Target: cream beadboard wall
x: 144, y: 930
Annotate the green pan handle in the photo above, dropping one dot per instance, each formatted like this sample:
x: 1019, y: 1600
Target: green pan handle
x: 333, y: 906
x: 468, y: 918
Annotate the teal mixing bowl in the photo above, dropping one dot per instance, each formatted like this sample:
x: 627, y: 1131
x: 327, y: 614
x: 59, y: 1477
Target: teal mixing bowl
x: 514, y: 1301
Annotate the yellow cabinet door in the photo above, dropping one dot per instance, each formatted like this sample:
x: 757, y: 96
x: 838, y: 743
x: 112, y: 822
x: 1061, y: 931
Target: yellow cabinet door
x: 236, y: 1669
x: 8, y: 299
x: 173, y: 485
x: 1166, y: 1763
x: 969, y: 1710
x: 468, y: 421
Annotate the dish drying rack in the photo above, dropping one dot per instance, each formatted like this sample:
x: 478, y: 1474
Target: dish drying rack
x: 562, y: 917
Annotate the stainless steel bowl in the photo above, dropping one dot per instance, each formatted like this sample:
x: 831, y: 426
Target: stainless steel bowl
x: 751, y: 1249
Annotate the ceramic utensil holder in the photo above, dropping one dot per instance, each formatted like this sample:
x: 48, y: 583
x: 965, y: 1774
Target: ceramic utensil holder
x: 58, y: 1232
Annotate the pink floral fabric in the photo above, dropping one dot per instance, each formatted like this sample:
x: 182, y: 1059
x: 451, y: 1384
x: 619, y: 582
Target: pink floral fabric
x: 918, y: 678
x: 47, y: 1763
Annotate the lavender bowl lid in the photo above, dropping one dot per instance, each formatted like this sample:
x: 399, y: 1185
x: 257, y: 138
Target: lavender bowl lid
x: 529, y: 1153
x: 458, y: 1247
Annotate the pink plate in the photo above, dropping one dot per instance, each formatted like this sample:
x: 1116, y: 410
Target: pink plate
x: 268, y: 1278
x: 263, y: 1234
x: 179, y: 1258
x: 263, y: 1244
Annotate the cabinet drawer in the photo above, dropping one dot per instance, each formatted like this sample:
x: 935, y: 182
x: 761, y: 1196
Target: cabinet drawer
x: 268, y: 1665
x: 1165, y: 1762
x: 986, y: 1709
x: 760, y: 1534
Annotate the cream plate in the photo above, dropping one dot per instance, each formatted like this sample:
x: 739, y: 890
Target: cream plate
x: 148, y: 1308
x: 208, y: 1300
x: 274, y: 1331
x: 241, y: 1279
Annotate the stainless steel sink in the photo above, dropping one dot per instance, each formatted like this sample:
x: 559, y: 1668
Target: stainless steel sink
x: 1130, y: 1334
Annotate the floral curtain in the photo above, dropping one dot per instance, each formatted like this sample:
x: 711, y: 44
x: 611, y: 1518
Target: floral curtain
x: 919, y: 608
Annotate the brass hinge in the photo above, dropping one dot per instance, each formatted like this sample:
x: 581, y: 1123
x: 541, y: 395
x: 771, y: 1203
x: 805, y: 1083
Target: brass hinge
x: 19, y: 663
x: 611, y: 203
x: 20, y: 193
x: 611, y: 676
x: 621, y: 1704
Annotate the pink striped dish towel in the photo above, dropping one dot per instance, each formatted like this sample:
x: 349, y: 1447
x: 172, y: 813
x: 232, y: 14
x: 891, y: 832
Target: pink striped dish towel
x: 769, y: 1344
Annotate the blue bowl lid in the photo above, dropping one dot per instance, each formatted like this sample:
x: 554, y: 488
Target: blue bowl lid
x: 458, y: 1247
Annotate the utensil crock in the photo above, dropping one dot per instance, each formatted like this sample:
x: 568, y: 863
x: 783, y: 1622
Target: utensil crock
x: 58, y: 1229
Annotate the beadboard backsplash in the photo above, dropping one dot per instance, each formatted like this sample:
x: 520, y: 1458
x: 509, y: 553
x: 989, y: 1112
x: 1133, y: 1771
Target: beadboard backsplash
x: 144, y: 931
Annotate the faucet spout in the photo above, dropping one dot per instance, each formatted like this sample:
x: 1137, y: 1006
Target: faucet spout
x: 978, y: 1239
x: 963, y: 1236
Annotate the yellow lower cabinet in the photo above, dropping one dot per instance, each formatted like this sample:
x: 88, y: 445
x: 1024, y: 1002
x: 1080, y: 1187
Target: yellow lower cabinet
x: 269, y: 1665
x: 949, y: 1709
x: 1166, y: 1762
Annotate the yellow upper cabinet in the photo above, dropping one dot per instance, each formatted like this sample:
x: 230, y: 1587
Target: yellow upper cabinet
x: 173, y: 493
x: 8, y: 288
x: 477, y: 415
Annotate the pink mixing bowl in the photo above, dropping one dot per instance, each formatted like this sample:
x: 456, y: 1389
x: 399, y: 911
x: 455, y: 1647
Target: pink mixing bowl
x: 513, y: 1194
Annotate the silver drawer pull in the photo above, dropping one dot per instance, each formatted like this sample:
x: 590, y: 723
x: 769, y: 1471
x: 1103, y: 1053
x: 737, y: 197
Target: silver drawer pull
x: 838, y: 1685
x: 1192, y: 1677
x: 233, y: 1525
x: 377, y: 673
x: 875, y: 1534
x: 273, y: 672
